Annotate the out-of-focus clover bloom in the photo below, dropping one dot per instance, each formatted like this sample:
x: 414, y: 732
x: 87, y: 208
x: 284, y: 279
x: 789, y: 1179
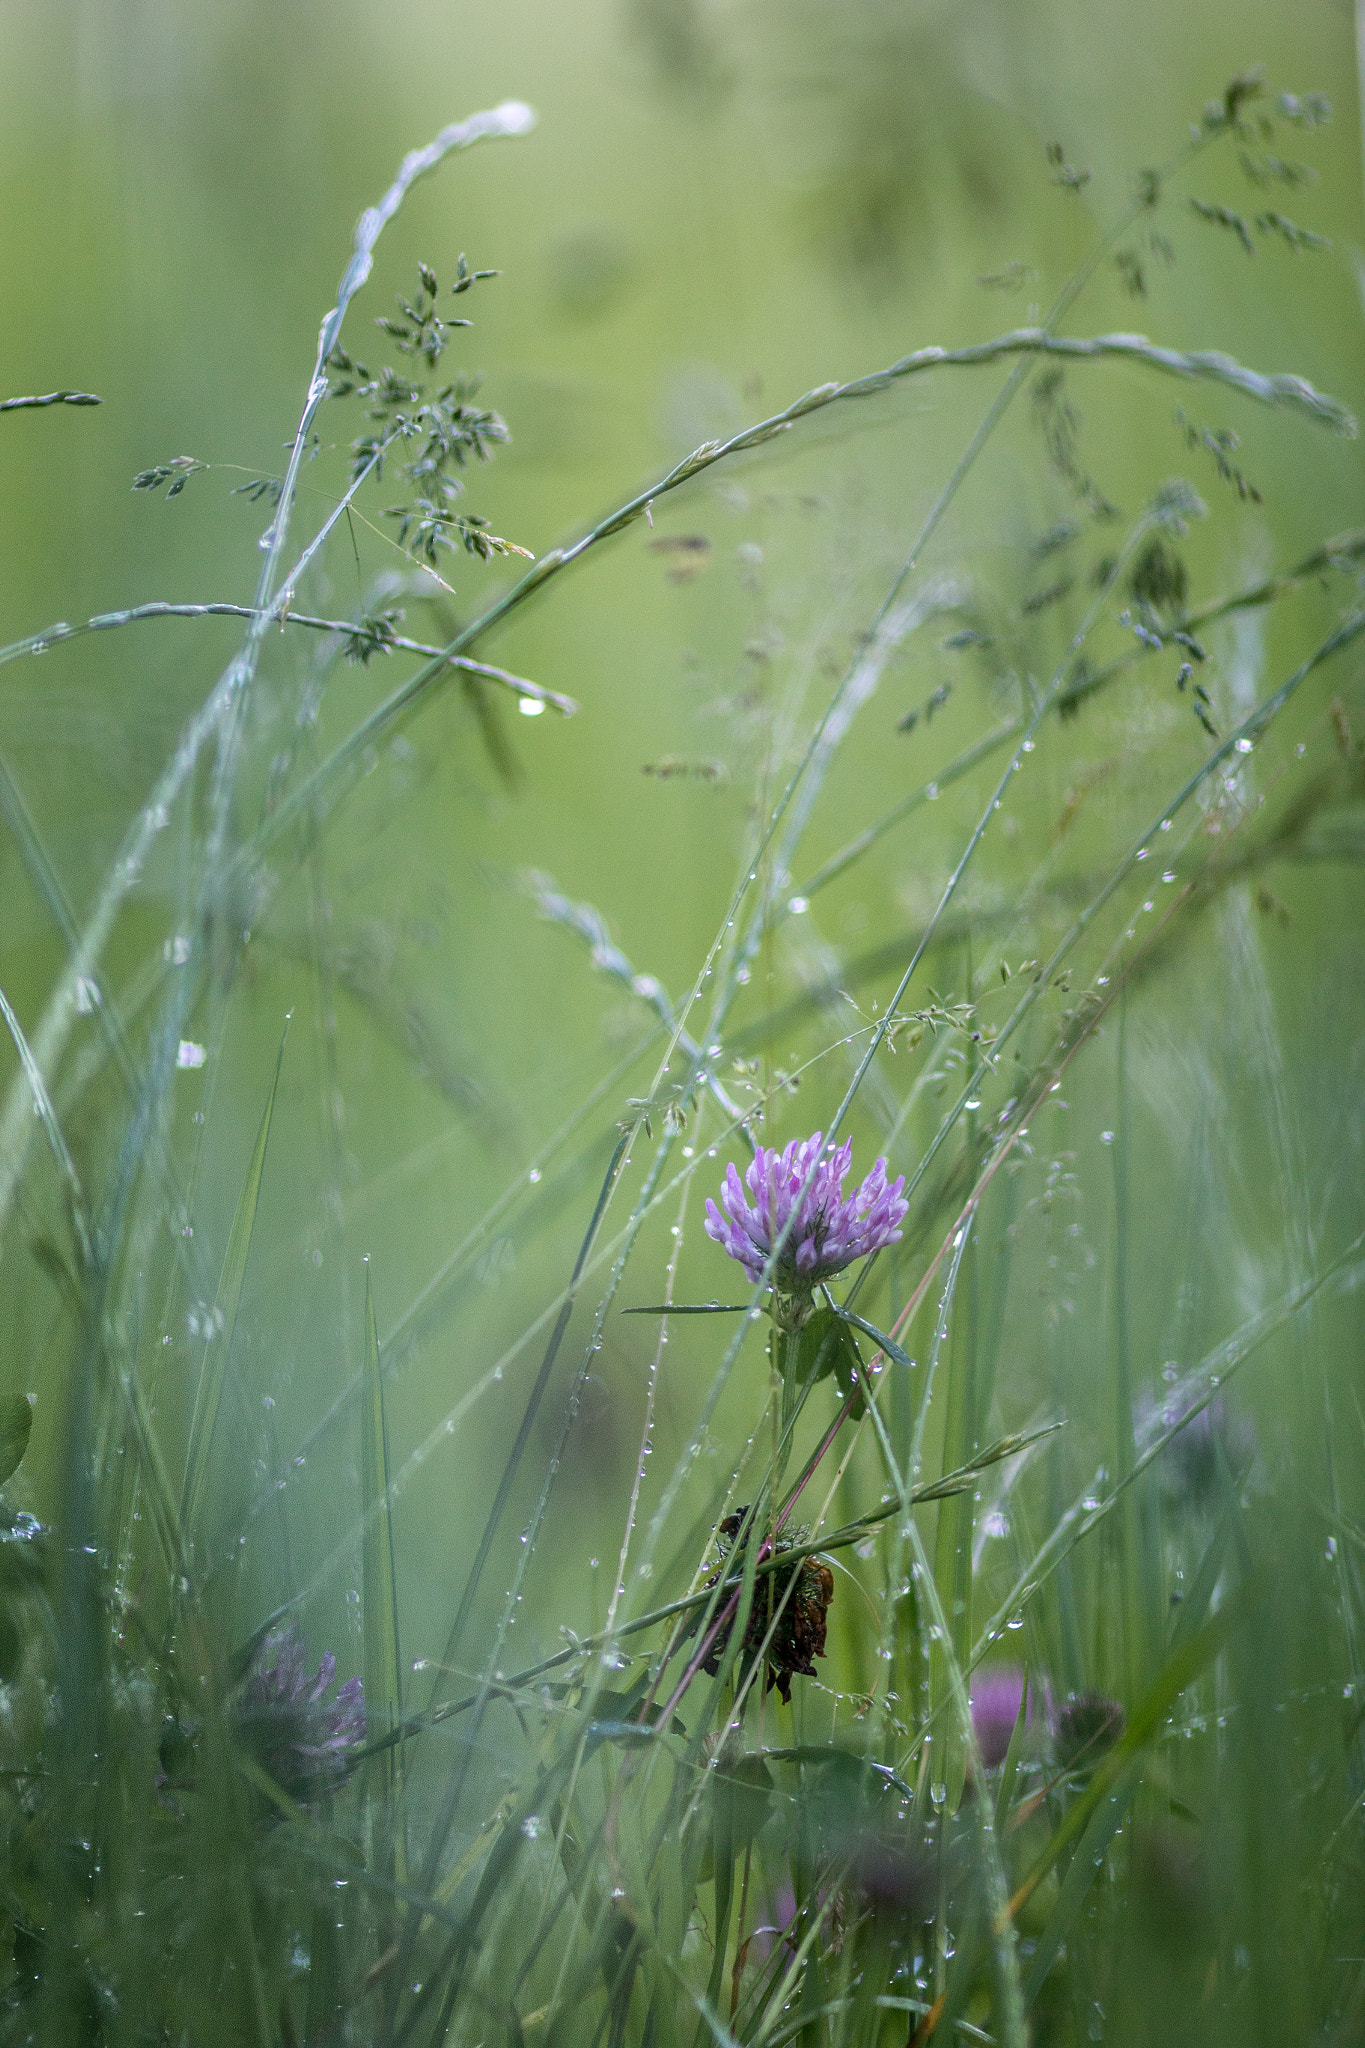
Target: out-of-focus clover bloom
x: 284, y: 1719
x: 1212, y: 1436
x: 824, y: 1230
x: 1084, y: 1728
x: 996, y: 1693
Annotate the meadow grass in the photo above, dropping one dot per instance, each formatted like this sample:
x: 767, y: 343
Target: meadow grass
x: 1081, y: 1757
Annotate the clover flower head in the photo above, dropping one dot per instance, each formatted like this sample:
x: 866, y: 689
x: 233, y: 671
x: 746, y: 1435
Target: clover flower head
x: 997, y: 1691
x: 1084, y: 1727
x: 303, y: 1739
x: 824, y: 1230
x: 1190, y: 1463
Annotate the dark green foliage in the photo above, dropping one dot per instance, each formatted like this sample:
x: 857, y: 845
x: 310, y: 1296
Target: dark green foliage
x: 16, y: 1424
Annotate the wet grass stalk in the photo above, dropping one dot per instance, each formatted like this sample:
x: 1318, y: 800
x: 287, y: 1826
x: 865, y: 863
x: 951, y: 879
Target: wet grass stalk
x: 754, y: 1803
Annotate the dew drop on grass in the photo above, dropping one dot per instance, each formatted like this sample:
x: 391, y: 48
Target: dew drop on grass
x: 534, y: 1175
x: 530, y: 707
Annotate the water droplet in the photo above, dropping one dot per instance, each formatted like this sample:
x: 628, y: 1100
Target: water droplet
x: 798, y: 906
x: 1244, y: 746
x: 188, y: 1054
x: 530, y: 707
x: 534, y: 1175
x: 1106, y: 1137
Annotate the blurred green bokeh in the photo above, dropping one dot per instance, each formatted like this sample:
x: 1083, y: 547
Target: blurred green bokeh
x: 721, y: 206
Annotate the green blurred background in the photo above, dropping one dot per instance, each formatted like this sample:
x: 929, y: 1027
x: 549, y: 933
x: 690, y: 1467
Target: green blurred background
x: 724, y: 203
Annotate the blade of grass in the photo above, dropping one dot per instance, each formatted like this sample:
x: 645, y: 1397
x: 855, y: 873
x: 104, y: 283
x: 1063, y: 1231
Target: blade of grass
x: 218, y: 1350
x: 379, y: 1579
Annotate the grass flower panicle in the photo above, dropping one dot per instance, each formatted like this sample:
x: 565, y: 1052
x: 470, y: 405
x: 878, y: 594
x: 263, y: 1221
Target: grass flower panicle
x: 821, y: 1230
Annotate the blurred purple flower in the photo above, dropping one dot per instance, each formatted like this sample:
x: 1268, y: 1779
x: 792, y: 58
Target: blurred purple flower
x: 1189, y: 1464
x: 828, y: 1231
x: 299, y: 1736
x: 996, y: 1693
